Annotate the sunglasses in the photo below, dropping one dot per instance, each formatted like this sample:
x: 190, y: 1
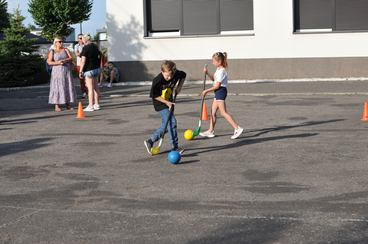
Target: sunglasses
x: 80, y: 38
x: 59, y: 41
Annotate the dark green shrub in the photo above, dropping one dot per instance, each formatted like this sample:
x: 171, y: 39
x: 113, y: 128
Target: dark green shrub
x: 22, y: 71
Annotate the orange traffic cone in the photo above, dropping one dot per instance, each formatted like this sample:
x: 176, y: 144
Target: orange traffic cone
x: 80, y: 114
x: 365, y: 112
x: 204, y: 112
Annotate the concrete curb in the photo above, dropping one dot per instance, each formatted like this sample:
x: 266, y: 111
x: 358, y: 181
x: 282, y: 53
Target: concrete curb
x: 148, y: 83
x: 258, y: 94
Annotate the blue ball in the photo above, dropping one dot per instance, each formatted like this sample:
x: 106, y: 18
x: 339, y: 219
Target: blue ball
x: 174, y: 157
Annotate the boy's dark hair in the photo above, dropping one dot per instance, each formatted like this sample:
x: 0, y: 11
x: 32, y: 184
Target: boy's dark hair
x: 168, y: 65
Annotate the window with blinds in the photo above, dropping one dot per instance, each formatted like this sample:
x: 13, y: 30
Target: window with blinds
x: 198, y: 17
x: 164, y: 15
x: 351, y: 15
x: 330, y: 15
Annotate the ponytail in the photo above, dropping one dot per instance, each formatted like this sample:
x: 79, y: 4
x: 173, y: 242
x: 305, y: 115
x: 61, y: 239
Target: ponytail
x: 224, y: 62
x: 222, y: 57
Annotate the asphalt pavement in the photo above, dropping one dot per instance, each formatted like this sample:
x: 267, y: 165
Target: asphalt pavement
x: 298, y: 174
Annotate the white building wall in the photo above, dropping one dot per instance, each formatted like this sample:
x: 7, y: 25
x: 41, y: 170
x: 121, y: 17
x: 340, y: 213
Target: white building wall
x: 273, y: 37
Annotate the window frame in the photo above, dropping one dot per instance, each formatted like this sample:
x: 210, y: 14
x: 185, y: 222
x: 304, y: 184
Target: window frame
x: 321, y: 30
x: 179, y: 34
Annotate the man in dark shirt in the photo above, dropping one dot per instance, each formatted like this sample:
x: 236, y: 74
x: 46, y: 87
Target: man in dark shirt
x: 164, y: 85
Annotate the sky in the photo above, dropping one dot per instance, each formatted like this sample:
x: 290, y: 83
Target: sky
x: 96, y: 21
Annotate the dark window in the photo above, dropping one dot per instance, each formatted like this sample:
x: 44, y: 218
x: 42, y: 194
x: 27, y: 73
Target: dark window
x: 165, y: 15
x: 313, y: 14
x: 236, y: 15
x: 198, y: 17
x: 351, y: 15
x: 336, y: 15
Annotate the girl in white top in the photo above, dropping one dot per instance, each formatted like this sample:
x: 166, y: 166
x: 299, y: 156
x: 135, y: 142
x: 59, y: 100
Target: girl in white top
x: 219, y: 60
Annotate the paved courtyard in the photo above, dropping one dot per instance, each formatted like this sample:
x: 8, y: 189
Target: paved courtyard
x: 297, y: 175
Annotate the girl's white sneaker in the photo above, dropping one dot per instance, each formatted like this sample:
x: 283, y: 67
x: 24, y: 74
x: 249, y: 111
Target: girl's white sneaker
x: 237, y: 132
x: 208, y: 134
x: 96, y: 107
x: 88, y: 109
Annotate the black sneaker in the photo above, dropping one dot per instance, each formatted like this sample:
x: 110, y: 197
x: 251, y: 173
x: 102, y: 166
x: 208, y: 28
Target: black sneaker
x: 148, y: 143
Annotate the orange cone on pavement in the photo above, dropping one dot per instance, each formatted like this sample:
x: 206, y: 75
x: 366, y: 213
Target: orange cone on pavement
x: 80, y: 114
x: 365, y: 112
x: 204, y: 112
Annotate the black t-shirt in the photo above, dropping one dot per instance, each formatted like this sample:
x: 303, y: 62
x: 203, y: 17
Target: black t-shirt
x: 164, y: 88
x: 93, y: 57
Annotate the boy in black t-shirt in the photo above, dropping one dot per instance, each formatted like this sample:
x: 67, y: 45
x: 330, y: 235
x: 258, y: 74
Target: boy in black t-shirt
x: 164, y: 85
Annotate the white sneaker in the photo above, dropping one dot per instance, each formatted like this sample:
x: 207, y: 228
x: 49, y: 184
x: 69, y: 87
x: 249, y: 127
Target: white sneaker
x: 237, y: 132
x: 148, y: 147
x: 96, y: 107
x: 88, y: 109
x: 180, y: 150
x: 208, y: 134
x: 109, y: 85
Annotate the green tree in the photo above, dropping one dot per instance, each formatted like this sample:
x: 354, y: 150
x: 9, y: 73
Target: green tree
x: 18, y: 65
x: 16, y: 42
x: 56, y: 17
x: 4, y: 16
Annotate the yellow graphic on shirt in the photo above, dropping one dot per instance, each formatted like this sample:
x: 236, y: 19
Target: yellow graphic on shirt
x: 166, y: 93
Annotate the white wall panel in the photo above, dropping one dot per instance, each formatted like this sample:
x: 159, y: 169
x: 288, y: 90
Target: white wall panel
x: 273, y: 37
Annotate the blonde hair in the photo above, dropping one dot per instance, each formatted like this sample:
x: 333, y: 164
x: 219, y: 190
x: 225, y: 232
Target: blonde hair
x: 87, y: 37
x: 168, y: 65
x: 222, y: 58
x: 56, y: 39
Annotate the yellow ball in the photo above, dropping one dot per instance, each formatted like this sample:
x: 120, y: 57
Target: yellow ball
x: 155, y: 150
x: 188, y: 135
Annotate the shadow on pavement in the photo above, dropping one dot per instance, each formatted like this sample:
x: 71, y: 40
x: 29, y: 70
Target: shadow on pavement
x: 285, y: 127
x: 147, y: 102
x: 29, y: 120
x: 248, y: 231
x: 6, y: 129
x: 183, y: 161
x: 246, y: 141
x: 22, y: 146
x: 81, y: 134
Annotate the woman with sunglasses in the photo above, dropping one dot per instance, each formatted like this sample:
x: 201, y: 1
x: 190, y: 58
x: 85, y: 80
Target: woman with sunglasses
x: 61, y: 83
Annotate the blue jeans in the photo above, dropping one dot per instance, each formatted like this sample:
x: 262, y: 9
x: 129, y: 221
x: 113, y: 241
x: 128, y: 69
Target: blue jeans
x: 171, y: 128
